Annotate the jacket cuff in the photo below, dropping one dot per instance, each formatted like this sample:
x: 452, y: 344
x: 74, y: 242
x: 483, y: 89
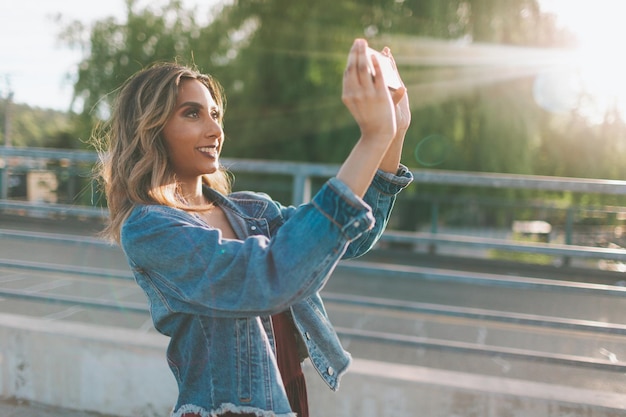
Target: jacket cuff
x: 390, y: 184
x: 349, y: 212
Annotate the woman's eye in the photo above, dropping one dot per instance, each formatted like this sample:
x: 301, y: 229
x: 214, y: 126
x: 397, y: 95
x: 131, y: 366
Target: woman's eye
x: 215, y: 115
x: 193, y: 113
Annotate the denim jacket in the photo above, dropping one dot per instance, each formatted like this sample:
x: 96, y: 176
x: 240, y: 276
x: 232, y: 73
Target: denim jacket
x: 214, y: 296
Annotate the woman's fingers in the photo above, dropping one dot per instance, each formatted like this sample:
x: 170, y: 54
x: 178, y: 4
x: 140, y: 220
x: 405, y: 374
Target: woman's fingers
x: 398, y: 94
x: 377, y: 78
x: 349, y: 74
x: 362, y: 71
x: 366, y: 95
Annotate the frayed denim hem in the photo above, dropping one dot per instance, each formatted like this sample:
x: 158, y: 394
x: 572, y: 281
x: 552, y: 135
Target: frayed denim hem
x: 191, y: 408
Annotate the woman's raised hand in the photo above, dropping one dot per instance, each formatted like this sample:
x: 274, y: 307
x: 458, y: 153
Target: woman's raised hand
x: 383, y: 117
x: 367, y: 97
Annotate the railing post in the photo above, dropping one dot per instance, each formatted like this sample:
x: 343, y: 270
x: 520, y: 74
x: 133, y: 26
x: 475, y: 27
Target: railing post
x: 67, y: 168
x: 434, y: 222
x: 8, y: 143
x: 301, y: 189
x: 4, y: 180
x: 569, y: 225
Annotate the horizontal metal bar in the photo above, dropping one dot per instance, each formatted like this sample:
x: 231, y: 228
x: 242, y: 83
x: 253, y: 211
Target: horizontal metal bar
x: 477, y: 278
x: 500, y: 351
x: 425, y: 176
x: 280, y: 167
x: 75, y: 300
x: 55, y: 238
x: 534, y: 182
x: 66, y: 269
x: 49, y: 153
x: 396, y: 237
x: 476, y: 313
x: 362, y: 267
x: 52, y: 208
x: 554, y: 249
x: 384, y: 337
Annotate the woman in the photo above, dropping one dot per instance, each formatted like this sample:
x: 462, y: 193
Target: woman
x: 234, y: 278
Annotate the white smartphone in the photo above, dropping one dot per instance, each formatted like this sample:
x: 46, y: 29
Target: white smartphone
x: 390, y: 75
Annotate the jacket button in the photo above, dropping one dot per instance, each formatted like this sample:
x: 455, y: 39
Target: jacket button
x: 331, y: 371
x: 356, y: 224
x: 307, y: 335
x: 253, y: 228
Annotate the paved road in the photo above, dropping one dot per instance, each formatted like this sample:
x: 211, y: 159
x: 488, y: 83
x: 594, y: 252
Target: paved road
x: 407, y: 326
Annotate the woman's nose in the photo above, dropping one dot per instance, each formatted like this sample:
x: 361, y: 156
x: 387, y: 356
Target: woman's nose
x: 213, y: 128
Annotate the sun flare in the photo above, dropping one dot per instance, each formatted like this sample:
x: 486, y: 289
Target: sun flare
x: 597, y: 72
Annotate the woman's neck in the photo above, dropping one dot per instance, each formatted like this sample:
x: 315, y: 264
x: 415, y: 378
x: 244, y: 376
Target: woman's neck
x: 192, y: 192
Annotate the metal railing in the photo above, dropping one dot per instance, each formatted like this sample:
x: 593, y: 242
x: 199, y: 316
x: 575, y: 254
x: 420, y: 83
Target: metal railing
x: 303, y: 174
x: 365, y: 268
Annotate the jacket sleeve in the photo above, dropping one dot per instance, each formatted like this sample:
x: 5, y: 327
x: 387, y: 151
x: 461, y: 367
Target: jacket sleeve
x: 190, y: 268
x: 380, y: 197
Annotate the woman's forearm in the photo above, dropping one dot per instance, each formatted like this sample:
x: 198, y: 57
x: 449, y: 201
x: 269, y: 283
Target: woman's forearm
x: 381, y: 116
x: 361, y: 165
x: 391, y: 161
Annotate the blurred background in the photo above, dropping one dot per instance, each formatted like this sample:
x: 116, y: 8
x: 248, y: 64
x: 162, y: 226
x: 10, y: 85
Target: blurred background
x: 529, y: 87
x: 498, y: 287
x: 515, y: 86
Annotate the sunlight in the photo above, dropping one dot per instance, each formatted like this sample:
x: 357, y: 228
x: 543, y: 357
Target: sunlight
x: 598, y: 66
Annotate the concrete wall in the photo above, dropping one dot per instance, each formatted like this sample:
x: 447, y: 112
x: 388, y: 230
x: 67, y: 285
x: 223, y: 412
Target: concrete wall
x: 85, y: 367
x: 377, y: 389
x: 122, y: 372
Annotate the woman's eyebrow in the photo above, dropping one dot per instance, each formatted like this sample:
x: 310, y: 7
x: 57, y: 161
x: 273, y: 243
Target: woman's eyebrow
x: 191, y: 104
x: 197, y: 105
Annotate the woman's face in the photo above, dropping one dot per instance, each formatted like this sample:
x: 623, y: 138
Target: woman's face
x: 193, y: 134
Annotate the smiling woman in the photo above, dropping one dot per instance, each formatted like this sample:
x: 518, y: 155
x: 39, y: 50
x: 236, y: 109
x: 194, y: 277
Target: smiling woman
x: 594, y: 83
x: 233, y: 278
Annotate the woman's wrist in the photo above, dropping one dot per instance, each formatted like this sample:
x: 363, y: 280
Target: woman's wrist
x: 361, y: 165
x: 381, y: 137
x: 391, y: 160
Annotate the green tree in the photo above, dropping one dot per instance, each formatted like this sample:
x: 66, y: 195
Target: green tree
x: 32, y: 126
x: 116, y: 50
x: 285, y: 83
x: 281, y: 64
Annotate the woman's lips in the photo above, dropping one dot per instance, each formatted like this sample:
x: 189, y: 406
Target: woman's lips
x: 210, y: 151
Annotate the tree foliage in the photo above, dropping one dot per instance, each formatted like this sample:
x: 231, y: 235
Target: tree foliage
x: 36, y: 127
x: 281, y: 64
x: 116, y: 50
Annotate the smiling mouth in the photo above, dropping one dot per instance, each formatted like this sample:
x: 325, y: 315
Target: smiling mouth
x: 210, y: 151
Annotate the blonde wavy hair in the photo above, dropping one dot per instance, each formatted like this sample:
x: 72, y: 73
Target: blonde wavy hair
x: 134, y: 165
